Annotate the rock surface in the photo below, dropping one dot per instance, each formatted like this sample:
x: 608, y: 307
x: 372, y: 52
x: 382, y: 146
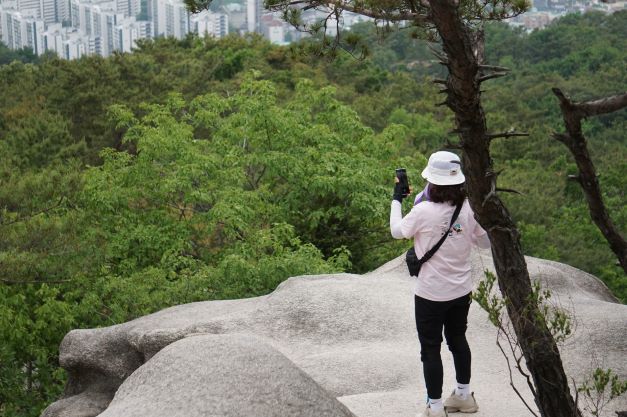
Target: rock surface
x: 222, y: 375
x: 313, y: 340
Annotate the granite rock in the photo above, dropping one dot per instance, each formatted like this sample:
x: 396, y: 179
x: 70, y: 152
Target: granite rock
x: 324, y: 337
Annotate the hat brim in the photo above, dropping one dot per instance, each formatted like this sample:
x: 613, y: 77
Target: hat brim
x: 443, y: 179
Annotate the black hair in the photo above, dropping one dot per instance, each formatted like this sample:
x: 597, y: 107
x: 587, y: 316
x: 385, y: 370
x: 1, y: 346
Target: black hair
x: 453, y: 194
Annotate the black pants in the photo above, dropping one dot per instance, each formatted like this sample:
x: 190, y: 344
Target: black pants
x: 431, y: 317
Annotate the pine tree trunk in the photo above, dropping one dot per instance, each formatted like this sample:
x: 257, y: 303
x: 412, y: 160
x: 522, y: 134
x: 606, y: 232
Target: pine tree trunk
x: 463, y: 84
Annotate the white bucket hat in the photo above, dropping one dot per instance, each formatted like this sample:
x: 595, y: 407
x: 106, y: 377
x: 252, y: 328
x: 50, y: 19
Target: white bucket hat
x: 444, y: 168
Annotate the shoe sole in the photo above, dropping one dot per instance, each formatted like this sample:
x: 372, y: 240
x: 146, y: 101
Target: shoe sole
x: 464, y: 410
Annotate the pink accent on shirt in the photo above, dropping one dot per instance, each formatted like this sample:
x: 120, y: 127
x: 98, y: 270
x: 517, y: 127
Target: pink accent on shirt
x: 446, y: 275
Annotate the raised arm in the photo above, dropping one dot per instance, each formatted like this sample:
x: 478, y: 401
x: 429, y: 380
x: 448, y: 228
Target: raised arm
x: 403, y: 227
x: 396, y: 216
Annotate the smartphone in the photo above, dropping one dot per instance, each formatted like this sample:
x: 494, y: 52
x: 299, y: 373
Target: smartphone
x: 401, y: 174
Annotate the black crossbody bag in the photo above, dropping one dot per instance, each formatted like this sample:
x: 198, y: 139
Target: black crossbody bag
x: 414, y: 263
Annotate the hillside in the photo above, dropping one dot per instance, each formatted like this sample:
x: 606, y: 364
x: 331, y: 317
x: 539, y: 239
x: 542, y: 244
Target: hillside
x: 207, y: 170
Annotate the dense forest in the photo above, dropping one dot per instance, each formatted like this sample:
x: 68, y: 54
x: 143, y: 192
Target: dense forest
x: 209, y: 169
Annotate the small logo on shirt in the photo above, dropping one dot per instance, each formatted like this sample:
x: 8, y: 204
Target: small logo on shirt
x: 457, y: 227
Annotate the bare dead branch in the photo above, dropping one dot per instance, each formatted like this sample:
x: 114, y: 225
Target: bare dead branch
x: 592, y: 108
x: 576, y: 143
x: 509, y: 134
x: 494, y: 174
x: 494, y: 68
x: 508, y: 190
x: 518, y: 357
x: 511, y: 379
x: 492, y: 193
x: 491, y: 76
x: 488, y: 196
x: 562, y: 98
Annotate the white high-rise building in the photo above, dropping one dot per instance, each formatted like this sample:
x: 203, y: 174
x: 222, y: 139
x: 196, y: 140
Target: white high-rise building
x: 63, y: 11
x: 19, y: 31
x: 274, y: 31
x: 209, y: 23
x: 82, y: 13
x: 128, y: 7
x: 30, y: 7
x: 170, y: 18
x: 103, y: 23
x: 67, y: 43
x: 52, y: 39
x: 33, y: 28
x: 4, y: 28
x: 79, y: 15
x: 126, y: 34
x: 254, y: 8
x: 50, y: 11
x: 8, y: 4
x: 75, y: 45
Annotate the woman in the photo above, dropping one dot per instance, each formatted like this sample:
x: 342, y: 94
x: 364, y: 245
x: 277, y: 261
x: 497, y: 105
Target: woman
x: 443, y: 287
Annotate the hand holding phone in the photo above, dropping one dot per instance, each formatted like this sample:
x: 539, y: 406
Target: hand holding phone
x: 401, y: 188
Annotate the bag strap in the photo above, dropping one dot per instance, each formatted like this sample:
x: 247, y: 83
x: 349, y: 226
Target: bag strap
x: 434, y: 249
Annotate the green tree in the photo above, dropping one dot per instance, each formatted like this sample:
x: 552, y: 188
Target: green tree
x: 9, y: 55
x: 216, y: 198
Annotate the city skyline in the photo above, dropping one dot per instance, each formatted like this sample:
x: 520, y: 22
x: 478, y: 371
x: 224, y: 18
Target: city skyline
x: 75, y: 28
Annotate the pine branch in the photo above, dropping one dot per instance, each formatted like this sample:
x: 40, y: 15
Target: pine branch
x: 31, y: 215
x: 340, y: 5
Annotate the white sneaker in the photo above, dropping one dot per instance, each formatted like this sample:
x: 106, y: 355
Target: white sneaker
x: 455, y: 403
x: 430, y: 413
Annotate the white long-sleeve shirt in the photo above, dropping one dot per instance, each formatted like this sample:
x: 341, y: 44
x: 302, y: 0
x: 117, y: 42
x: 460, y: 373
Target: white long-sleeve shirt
x: 446, y: 275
